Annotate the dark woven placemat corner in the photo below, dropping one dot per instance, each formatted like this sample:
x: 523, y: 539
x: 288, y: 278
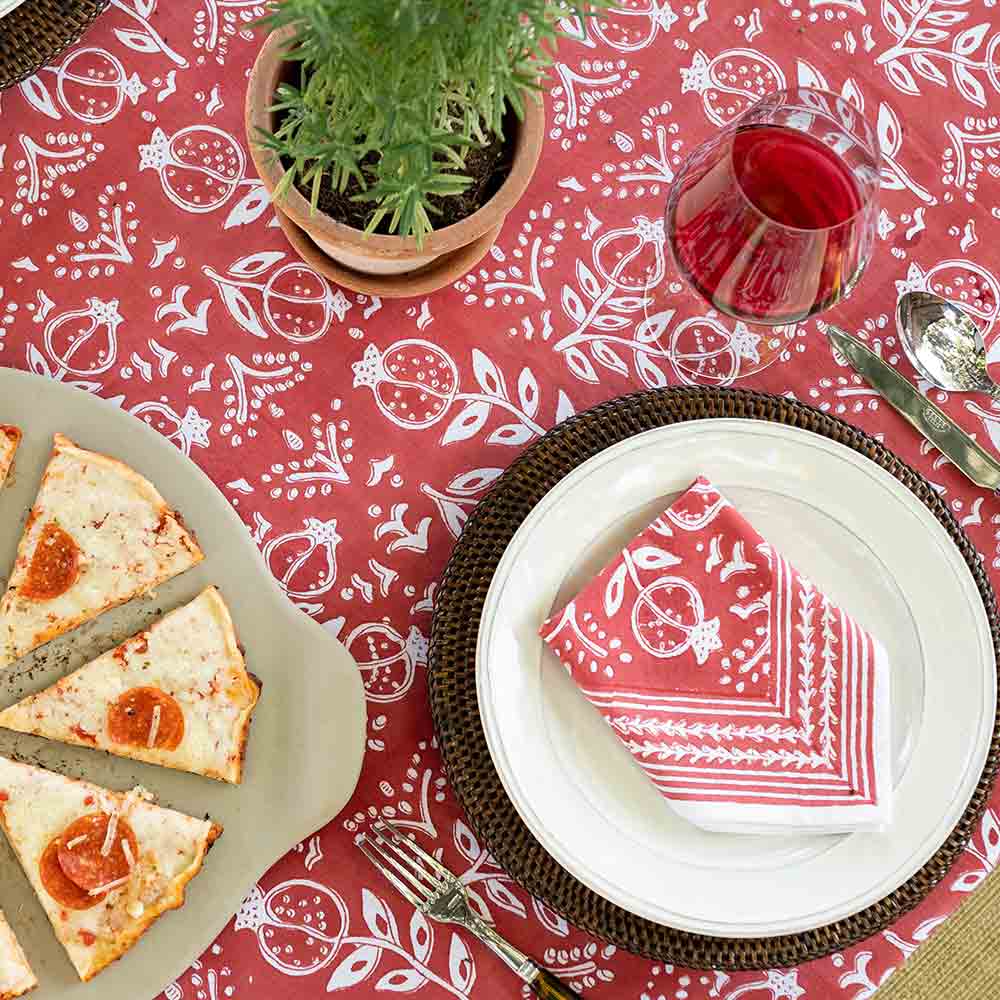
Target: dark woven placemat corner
x: 38, y: 31
x: 454, y: 704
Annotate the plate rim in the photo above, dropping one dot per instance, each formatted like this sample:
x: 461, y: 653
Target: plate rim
x: 514, y: 787
x: 455, y: 712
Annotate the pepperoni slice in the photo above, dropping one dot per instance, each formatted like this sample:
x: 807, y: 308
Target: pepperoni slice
x: 131, y: 719
x: 80, y: 856
x: 55, y: 565
x: 64, y: 891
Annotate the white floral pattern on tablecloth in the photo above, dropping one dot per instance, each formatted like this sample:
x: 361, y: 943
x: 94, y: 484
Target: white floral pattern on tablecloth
x: 143, y: 263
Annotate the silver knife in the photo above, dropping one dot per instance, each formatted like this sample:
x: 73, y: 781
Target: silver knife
x: 930, y: 420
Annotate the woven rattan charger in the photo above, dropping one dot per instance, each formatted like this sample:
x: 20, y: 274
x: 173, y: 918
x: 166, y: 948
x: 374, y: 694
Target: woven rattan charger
x: 38, y: 31
x: 455, y: 707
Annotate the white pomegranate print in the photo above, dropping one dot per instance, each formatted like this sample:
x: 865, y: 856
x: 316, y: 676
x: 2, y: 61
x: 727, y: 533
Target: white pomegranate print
x: 298, y: 304
x: 984, y: 850
x: 516, y: 274
x: 413, y: 381
x: 219, y: 21
x: 305, y: 561
x: 969, y: 283
x: 144, y: 37
x: 112, y: 232
x: 293, y: 301
x: 387, y: 660
x: 580, y: 90
x: 704, y: 350
x: 93, y: 85
x: 199, y: 166
x: 84, y: 341
x: 973, y: 151
x: 633, y: 25
x: 299, y: 925
x: 185, y: 431
x: 668, y: 618
x: 731, y: 81
x: 462, y: 494
x: 631, y: 258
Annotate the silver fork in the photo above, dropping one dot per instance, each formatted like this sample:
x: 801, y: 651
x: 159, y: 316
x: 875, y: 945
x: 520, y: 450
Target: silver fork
x: 426, y: 884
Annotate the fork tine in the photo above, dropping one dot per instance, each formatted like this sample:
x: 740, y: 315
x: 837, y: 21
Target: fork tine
x: 415, y: 849
x: 401, y: 865
x: 401, y: 888
x: 409, y: 861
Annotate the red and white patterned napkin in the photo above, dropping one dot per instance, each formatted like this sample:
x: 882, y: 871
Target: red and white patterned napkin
x: 751, y: 701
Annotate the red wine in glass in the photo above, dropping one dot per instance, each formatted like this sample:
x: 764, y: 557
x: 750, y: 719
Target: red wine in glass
x: 773, y: 220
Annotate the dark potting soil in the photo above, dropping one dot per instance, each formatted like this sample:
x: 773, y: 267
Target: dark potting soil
x: 487, y: 166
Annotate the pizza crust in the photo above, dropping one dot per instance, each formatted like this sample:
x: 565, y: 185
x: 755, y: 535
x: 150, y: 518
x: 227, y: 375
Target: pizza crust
x: 38, y: 805
x: 127, y: 540
x: 192, y: 656
x: 10, y: 438
x: 16, y: 977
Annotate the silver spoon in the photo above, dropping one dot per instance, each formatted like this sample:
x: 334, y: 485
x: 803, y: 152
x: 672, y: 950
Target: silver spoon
x: 944, y: 344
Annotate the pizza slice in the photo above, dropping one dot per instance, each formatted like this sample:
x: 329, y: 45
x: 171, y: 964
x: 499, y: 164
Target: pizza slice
x: 177, y: 694
x: 104, y: 864
x: 98, y: 535
x: 16, y: 977
x: 10, y: 438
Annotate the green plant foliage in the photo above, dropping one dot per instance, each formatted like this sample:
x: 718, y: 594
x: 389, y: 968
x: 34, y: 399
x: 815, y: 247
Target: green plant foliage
x: 394, y: 93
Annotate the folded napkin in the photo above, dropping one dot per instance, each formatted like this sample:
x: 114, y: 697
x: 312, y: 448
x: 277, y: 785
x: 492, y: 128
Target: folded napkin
x: 751, y: 701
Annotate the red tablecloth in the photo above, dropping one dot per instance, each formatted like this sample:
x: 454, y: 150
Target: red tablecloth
x: 173, y: 292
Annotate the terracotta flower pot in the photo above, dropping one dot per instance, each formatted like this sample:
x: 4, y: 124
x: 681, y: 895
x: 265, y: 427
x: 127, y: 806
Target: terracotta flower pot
x: 390, y: 266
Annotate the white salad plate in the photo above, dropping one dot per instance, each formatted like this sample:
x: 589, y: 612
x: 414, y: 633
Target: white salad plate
x: 866, y: 541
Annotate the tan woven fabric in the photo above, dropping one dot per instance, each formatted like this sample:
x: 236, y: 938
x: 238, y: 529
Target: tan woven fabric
x: 961, y: 961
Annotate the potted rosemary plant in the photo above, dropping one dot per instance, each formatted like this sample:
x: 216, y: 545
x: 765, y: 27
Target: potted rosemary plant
x: 396, y: 135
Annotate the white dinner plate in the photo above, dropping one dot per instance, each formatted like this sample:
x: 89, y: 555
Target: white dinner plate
x: 871, y: 545
x: 8, y: 6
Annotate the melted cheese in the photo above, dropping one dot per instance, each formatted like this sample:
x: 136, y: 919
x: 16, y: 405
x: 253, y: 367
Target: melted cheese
x: 10, y: 437
x: 193, y: 656
x: 129, y: 541
x: 39, y: 805
x: 16, y: 977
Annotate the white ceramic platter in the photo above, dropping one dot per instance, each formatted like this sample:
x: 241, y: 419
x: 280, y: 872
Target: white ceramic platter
x: 865, y: 540
x: 307, y: 738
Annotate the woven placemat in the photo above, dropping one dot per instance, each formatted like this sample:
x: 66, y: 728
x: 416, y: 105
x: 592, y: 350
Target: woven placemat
x: 38, y: 31
x: 452, y: 674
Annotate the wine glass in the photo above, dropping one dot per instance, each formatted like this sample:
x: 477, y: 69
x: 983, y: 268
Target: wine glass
x: 773, y: 220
